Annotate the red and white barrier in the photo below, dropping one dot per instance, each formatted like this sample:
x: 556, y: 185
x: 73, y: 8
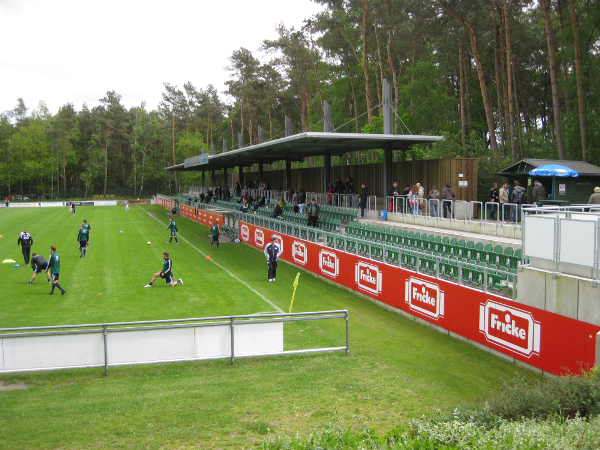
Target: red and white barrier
x: 204, y: 217
x: 545, y: 340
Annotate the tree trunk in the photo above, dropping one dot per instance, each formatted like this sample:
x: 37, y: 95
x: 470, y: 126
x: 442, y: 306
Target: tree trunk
x: 461, y: 59
x: 516, y: 102
x: 584, y: 154
x: 176, y: 185
x: 365, y: 62
x: 511, y: 94
x: 486, y: 101
x: 553, y: 80
x: 106, y: 161
x: 559, y: 9
x: 498, y: 79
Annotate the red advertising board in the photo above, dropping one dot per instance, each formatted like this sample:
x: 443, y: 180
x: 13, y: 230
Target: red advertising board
x: 545, y: 340
x: 207, y: 218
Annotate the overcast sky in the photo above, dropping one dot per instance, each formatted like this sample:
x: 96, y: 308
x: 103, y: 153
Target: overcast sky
x: 74, y: 51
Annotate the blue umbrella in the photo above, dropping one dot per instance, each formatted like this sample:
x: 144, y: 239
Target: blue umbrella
x: 553, y: 170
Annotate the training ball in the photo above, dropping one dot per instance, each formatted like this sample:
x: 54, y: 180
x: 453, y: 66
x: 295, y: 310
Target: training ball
x: 148, y: 242
x: 120, y: 231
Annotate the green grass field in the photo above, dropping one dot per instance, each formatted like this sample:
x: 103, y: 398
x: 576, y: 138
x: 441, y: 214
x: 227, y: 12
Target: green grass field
x: 397, y: 369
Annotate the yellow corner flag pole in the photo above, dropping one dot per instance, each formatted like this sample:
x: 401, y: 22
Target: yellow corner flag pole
x: 294, y: 294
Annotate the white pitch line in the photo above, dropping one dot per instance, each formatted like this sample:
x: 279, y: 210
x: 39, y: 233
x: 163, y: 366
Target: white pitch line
x: 224, y: 269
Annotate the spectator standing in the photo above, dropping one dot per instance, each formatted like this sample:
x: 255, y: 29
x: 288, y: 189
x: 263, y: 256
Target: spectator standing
x: 313, y: 213
x: 25, y: 241
x: 421, y: 196
x: 538, y: 194
x: 406, y: 190
x: 392, y: 192
x: 448, y: 194
x: 413, y: 200
x: 339, y: 191
x: 237, y: 190
x: 272, y: 252
x: 494, y: 196
x: 503, y: 198
x: 330, y: 193
x: 295, y: 202
x: 226, y: 193
x: 301, y: 200
x: 595, y: 197
x: 350, y: 190
x: 362, y: 199
x: 517, y: 197
x: 434, y: 200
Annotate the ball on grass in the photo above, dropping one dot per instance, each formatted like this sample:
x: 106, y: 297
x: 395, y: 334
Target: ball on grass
x: 148, y: 242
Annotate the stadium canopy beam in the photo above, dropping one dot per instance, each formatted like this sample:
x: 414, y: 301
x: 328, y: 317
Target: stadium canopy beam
x: 297, y: 147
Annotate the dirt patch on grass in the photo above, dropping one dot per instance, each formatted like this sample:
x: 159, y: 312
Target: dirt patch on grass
x: 13, y: 386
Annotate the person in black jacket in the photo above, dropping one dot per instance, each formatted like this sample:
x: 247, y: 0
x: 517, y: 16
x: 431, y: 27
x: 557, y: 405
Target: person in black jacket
x: 362, y: 199
x: 338, y: 189
x: 301, y: 200
x: 313, y: 213
x: 26, y: 241
x: 350, y: 190
x: 392, y: 192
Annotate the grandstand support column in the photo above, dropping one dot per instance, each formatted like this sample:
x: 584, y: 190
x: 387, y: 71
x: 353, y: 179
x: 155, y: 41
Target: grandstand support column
x: 326, y: 117
x: 212, y: 177
x: 387, y: 170
x: 387, y: 129
x: 224, y: 176
x: 261, y: 171
x: 241, y: 180
x: 288, y: 173
x: 203, y: 178
x: 327, y: 170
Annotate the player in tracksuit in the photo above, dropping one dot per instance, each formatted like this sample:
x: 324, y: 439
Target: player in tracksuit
x: 82, y: 238
x: 214, y: 231
x: 174, y: 231
x: 26, y: 241
x: 38, y: 264
x: 272, y: 252
x: 166, y: 273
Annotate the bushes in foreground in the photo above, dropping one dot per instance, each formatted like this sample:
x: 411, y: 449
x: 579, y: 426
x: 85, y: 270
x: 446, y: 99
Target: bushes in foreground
x: 558, y: 413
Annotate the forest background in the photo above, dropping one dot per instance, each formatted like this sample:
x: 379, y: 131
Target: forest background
x: 502, y: 80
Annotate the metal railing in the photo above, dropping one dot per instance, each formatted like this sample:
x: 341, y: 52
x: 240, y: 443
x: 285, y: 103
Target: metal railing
x: 567, y: 236
x: 107, y: 329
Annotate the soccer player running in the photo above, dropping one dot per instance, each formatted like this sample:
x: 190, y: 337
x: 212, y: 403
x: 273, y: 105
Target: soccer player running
x: 214, y: 231
x: 166, y: 273
x: 174, y: 231
x: 38, y: 264
x: 54, y: 265
x: 82, y: 238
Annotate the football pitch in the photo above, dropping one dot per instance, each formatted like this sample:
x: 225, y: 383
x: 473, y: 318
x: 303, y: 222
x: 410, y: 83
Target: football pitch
x: 397, y: 370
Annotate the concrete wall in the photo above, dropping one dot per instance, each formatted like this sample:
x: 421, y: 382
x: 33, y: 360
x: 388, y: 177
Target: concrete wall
x: 568, y: 295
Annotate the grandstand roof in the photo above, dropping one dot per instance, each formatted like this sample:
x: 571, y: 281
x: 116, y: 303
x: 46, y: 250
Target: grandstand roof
x: 300, y: 146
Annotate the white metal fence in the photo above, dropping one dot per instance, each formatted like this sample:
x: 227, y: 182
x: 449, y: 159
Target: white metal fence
x: 130, y: 343
x: 563, y: 239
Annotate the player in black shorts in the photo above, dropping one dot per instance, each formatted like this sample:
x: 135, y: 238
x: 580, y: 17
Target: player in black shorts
x: 38, y: 264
